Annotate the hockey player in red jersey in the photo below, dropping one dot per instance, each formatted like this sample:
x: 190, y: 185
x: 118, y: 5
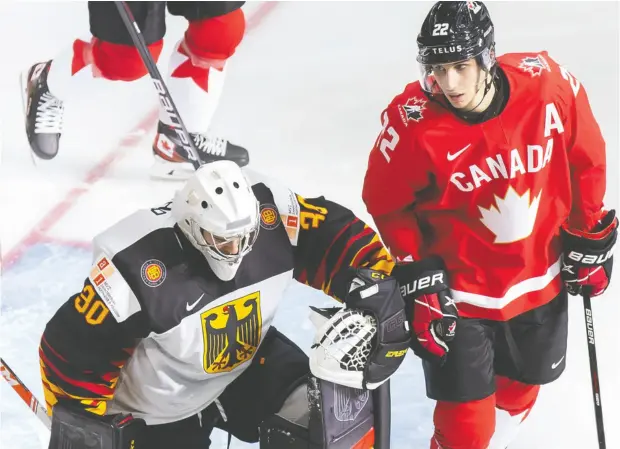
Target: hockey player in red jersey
x: 197, y: 69
x: 488, y: 177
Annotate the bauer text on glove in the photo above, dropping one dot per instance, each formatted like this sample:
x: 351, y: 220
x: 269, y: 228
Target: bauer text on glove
x: 430, y: 308
x: 587, y: 258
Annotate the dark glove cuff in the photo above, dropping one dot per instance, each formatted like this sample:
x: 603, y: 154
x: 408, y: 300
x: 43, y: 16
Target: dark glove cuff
x: 582, y: 242
x: 602, y: 236
x: 421, y: 276
x: 418, y: 268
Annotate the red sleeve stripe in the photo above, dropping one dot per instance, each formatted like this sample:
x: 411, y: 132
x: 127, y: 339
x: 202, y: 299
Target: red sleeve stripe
x: 97, y: 389
x: 360, y: 257
x: 350, y: 243
x: 321, y: 272
x: 47, y: 345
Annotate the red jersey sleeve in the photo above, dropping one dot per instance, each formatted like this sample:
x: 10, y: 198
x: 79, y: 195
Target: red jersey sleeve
x: 586, y: 156
x: 395, y: 173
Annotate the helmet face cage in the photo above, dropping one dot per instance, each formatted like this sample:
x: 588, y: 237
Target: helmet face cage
x: 245, y: 241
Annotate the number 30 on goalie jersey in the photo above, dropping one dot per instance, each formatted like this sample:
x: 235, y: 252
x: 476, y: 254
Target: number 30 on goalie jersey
x: 327, y: 238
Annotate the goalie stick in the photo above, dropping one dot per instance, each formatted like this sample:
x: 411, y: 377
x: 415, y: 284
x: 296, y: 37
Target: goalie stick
x: 383, y: 415
x: 24, y: 393
x: 164, y: 95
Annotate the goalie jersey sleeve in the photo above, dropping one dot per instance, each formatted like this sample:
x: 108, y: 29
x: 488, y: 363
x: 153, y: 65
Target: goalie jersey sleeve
x: 328, y: 240
x: 88, y: 340
x: 331, y: 242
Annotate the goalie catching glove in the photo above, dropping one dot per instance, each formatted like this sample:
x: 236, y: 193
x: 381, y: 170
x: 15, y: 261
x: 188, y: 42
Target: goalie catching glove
x: 363, y: 344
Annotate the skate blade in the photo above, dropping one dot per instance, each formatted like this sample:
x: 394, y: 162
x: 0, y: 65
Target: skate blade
x: 23, y: 85
x: 170, y: 171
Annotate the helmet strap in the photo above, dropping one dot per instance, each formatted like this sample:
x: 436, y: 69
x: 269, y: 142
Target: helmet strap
x: 488, y: 83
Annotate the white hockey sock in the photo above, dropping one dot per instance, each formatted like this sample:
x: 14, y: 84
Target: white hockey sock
x: 61, y: 83
x: 196, y: 91
x: 506, y: 428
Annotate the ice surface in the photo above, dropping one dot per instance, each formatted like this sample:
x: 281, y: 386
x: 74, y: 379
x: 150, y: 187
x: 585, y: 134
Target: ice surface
x: 304, y: 94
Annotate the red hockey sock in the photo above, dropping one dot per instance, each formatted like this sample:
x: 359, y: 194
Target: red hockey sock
x: 207, y: 44
x: 515, y: 397
x: 114, y: 62
x: 464, y: 425
x: 215, y: 38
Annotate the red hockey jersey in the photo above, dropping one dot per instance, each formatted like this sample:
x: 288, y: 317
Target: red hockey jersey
x: 490, y: 197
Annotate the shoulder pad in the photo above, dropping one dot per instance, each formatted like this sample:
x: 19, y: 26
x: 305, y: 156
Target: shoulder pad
x: 132, y: 228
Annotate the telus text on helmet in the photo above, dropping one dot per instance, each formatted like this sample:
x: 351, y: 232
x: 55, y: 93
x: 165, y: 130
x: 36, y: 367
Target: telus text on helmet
x: 447, y: 50
x: 518, y: 162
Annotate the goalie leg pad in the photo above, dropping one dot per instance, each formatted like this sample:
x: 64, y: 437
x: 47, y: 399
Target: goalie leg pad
x: 321, y: 415
x: 289, y: 427
x: 277, y: 369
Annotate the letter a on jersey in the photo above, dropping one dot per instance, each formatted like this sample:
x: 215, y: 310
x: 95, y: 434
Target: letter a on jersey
x: 231, y: 333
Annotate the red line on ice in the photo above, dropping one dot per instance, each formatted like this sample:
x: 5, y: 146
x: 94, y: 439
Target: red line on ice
x: 38, y: 234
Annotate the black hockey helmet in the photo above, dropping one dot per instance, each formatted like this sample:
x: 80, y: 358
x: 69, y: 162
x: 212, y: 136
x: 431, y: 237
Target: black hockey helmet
x: 456, y: 31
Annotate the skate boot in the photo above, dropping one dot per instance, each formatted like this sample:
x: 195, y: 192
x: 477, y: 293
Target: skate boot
x: 172, y: 161
x: 44, y: 112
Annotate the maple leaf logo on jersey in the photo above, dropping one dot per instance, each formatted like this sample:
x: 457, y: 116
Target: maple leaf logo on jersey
x: 412, y: 110
x: 514, y: 217
x: 534, y: 65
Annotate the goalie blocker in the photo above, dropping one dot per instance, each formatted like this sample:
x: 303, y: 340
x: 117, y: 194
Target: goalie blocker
x: 81, y: 430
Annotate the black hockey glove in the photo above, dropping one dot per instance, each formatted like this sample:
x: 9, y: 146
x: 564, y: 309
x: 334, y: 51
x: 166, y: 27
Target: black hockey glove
x: 363, y: 344
x: 378, y: 294
x: 430, y: 309
x: 78, y: 429
x: 588, y: 257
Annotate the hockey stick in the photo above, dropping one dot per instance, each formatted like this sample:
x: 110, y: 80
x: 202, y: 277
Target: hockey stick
x: 596, y: 387
x: 383, y: 416
x: 24, y: 393
x: 164, y: 95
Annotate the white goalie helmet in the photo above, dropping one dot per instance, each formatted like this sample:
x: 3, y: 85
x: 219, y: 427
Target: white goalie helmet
x: 219, y: 213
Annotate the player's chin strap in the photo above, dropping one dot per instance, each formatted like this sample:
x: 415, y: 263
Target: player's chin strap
x: 489, y: 77
x: 488, y: 83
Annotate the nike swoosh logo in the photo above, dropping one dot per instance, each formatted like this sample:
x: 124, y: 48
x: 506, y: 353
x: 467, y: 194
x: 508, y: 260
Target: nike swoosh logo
x: 555, y: 365
x: 190, y: 307
x: 451, y: 156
